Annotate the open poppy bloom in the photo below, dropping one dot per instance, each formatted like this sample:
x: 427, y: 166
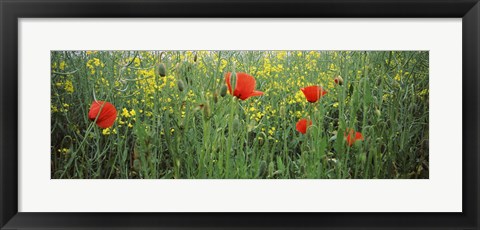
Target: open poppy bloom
x: 105, y: 111
x: 303, y: 124
x: 352, y: 136
x: 313, y: 93
x: 244, y: 86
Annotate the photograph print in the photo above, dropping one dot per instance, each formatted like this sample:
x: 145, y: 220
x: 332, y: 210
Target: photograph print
x: 236, y: 114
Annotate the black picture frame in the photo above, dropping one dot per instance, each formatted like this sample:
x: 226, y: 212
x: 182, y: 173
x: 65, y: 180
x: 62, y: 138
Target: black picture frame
x: 11, y: 11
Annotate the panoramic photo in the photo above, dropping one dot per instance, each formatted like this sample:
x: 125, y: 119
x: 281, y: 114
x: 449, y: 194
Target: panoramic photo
x: 236, y: 114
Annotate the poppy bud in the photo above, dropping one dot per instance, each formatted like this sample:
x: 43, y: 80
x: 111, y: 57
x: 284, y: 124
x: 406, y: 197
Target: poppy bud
x: 338, y: 80
x: 136, y: 165
x: 206, y: 111
x: 195, y: 58
x: 378, y: 112
x: 236, y: 123
x: 132, y: 174
x: 283, y: 111
x: 199, y: 107
x: 223, y: 91
x: 260, y: 141
x: 180, y: 85
x: 162, y: 70
x: 333, y: 138
x: 262, y: 169
x: 215, y: 97
x: 350, y: 90
x: 136, y: 155
x: 177, y: 67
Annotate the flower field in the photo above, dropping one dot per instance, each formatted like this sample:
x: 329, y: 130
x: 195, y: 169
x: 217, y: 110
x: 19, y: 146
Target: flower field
x: 239, y: 114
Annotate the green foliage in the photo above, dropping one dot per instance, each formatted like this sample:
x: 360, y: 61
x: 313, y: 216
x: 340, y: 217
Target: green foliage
x: 176, y: 118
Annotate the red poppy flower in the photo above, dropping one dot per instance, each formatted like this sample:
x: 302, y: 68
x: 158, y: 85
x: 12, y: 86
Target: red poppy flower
x: 107, y: 115
x: 352, y: 136
x: 313, y: 93
x: 303, y: 124
x: 244, y: 87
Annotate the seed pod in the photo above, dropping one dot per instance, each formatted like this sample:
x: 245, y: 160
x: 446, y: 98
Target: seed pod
x: 181, y: 85
x: 195, y: 58
x: 162, y: 70
x: 223, y: 91
x: 338, y: 80
x: 215, y: 97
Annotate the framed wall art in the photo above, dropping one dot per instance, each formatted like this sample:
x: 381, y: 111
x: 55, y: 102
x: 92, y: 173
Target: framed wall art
x: 227, y: 114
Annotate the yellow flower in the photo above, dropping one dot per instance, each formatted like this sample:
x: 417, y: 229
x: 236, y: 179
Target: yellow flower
x: 386, y: 96
x: 96, y: 61
x: 281, y: 55
x: 62, y: 65
x: 53, y: 108
x: 298, y: 114
x: 63, y: 150
x: 397, y: 77
x: 125, y: 112
x: 132, y: 112
x: 69, y: 86
x: 223, y: 63
x: 106, y: 132
x: 271, y: 131
x: 136, y: 62
x: 423, y: 92
x: 332, y: 67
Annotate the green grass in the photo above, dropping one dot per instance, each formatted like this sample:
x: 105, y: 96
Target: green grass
x: 163, y: 132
